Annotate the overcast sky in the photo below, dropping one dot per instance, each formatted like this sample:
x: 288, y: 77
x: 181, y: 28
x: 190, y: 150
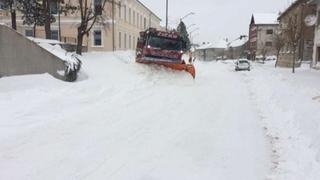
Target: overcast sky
x: 217, y: 19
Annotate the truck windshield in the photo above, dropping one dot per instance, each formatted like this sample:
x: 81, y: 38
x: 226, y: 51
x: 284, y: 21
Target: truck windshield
x: 164, y: 43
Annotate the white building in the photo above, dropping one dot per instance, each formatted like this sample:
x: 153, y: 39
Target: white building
x: 262, y: 29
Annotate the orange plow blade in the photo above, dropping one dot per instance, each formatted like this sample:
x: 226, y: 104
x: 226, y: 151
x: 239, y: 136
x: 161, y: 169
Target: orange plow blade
x: 183, y: 67
x: 180, y: 67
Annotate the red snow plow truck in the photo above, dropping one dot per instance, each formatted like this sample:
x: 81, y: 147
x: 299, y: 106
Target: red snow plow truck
x: 162, y: 48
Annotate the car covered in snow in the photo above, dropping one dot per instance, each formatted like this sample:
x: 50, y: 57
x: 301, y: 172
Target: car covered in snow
x: 271, y: 58
x: 242, y: 65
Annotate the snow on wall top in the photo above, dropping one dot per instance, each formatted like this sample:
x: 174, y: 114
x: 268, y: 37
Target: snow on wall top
x: 48, y: 41
x: 265, y: 18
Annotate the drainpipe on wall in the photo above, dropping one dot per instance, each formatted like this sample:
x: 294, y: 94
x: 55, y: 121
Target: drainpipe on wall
x: 301, y: 47
x: 150, y: 20
x: 167, y: 9
x: 59, y: 20
x: 113, y: 31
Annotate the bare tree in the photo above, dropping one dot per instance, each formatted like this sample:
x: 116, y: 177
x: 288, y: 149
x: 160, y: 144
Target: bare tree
x: 279, y: 42
x: 293, y: 33
x: 264, y: 49
x: 89, y: 16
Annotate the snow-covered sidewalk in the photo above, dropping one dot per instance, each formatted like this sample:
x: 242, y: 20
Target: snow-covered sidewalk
x: 124, y: 120
x: 289, y: 108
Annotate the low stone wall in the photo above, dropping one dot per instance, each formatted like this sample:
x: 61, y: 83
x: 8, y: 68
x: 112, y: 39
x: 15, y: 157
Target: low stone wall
x: 20, y: 56
x: 285, y: 60
x: 73, y: 47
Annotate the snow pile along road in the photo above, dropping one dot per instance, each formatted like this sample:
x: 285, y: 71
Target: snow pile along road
x: 289, y: 108
x: 124, y: 120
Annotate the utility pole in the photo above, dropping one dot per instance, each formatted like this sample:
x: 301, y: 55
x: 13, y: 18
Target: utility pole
x: 167, y: 15
x: 301, y: 46
x: 113, y: 32
x: 59, y: 19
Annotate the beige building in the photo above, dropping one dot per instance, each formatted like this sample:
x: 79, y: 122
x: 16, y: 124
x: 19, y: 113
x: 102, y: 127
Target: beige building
x: 118, y: 33
x: 316, y: 47
x: 297, y: 13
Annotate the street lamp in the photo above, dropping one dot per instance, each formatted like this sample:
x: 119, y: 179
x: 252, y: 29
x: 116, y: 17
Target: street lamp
x: 192, y: 37
x: 194, y: 30
x: 191, y: 26
x: 190, y: 34
x: 191, y: 13
x: 167, y: 9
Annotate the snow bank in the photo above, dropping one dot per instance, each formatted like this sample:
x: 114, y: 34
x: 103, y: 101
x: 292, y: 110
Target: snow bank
x: 289, y: 109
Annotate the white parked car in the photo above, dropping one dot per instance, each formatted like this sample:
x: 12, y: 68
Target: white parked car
x: 242, y: 64
x: 271, y: 58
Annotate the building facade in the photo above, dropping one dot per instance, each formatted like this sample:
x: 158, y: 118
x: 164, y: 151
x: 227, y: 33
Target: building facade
x: 316, y: 47
x: 117, y: 29
x: 262, y: 31
x: 222, y: 50
x: 294, y: 18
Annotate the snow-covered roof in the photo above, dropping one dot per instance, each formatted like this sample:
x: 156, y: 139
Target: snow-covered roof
x: 222, y: 44
x: 265, y: 18
x: 205, y: 46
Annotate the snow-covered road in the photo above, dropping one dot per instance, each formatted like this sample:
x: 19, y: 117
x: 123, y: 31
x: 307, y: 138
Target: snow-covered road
x: 123, y: 121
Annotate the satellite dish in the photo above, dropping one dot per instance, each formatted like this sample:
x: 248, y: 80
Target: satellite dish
x: 311, y: 20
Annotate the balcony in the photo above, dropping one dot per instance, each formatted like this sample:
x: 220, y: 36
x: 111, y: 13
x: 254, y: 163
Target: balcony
x: 68, y: 40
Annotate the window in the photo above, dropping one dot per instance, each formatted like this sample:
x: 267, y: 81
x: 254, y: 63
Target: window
x: 318, y: 18
x: 270, y: 31
x: 138, y: 19
x: 98, y: 7
x: 119, y: 11
x: 129, y: 41
x: 54, y: 34
x: 120, y: 40
x: 134, y: 18
x: 134, y: 42
x: 125, y: 41
x: 141, y: 21
x: 145, y: 23
x: 130, y: 15
x: 2, y: 5
x: 165, y: 44
x: 268, y: 44
x: 252, y: 45
x: 54, y: 7
x: 97, y: 38
x: 125, y: 12
x: 29, y: 33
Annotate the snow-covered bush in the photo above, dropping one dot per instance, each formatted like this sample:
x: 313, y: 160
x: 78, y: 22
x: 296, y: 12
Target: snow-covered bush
x: 73, y: 66
x: 71, y: 60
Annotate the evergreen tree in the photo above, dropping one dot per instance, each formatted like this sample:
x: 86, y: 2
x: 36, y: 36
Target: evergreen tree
x: 182, y: 29
x: 33, y: 13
